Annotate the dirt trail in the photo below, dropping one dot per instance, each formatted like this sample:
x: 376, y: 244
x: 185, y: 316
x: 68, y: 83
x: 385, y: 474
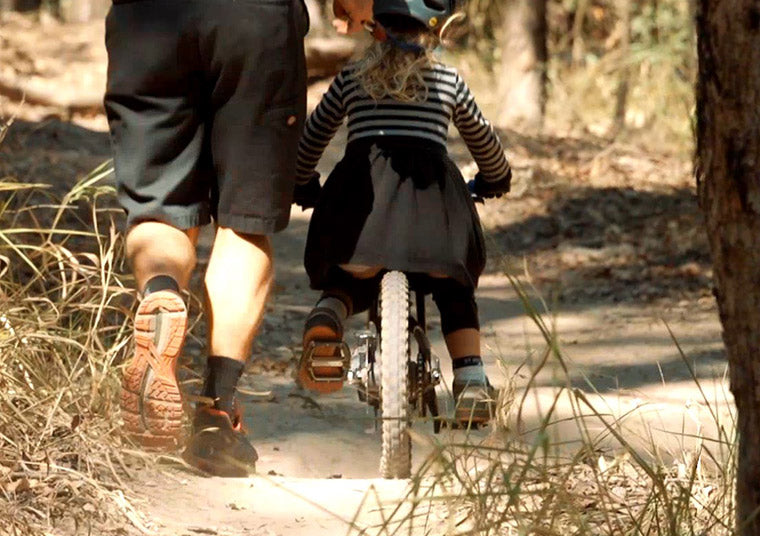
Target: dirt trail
x: 607, y: 235
x: 320, y: 456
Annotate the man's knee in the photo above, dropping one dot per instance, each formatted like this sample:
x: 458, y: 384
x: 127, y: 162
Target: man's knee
x: 240, y: 268
x: 155, y: 248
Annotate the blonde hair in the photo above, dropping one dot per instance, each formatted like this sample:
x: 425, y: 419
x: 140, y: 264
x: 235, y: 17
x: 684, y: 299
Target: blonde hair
x: 388, y: 71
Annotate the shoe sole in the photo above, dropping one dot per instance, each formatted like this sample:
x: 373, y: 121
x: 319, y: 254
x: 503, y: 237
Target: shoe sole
x: 326, y: 334
x: 151, y: 402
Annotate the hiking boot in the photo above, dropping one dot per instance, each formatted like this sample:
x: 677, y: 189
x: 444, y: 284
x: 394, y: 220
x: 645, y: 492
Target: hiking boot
x: 475, y: 401
x: 219, y: 445
x: 151, y: 403
x: 325, y: 358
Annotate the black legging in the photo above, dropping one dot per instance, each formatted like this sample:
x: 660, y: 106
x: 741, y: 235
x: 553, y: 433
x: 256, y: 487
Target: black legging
x: 455, y: 301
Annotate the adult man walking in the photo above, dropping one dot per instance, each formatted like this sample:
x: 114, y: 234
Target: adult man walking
x: 205, y: 102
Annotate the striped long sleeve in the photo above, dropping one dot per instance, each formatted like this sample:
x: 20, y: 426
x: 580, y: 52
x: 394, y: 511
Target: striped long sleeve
x: 448, y: 98
x: 478, y: 134
x: 320, y: 128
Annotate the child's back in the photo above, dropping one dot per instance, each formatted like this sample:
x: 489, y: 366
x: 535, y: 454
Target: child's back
x: 444, y: 98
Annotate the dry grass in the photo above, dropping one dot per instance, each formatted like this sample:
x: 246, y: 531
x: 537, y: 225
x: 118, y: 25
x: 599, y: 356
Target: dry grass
x: 660, y: 107
x: 535, y: 481
x: 63, y: 330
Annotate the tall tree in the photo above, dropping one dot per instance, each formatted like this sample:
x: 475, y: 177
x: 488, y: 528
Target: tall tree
x: 19, y: 5
x: 728, y: 178
x: 522, y: 84
x: 82, y: 10
x: 621, y: 97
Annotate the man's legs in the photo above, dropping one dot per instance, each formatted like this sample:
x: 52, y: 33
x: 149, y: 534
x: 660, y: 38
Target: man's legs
x: 238, y: 278
x: 237, y: 283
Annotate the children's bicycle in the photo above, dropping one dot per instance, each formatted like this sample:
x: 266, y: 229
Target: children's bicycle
x: 393, y: 368
x: 397, y: 382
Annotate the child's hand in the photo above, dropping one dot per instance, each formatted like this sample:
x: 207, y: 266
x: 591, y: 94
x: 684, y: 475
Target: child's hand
x: 490, y: 189
x: 350, y: 15
x: 305, y: 195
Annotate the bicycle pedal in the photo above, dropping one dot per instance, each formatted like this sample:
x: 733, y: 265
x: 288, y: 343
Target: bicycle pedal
x: 322, y: 354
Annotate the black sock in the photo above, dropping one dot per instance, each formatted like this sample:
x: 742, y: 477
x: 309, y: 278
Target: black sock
x: 222, y: 375
x: 160, y: 282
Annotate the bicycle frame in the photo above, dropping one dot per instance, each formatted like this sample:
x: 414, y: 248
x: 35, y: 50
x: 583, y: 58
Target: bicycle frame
x: 423, y: 369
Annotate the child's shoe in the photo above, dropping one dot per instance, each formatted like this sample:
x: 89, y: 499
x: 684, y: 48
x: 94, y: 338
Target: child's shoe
x: 325, y: 358
x: 474, y: 396
x: 475, y: 401
x: 218, y: 444
x: 151, y: 404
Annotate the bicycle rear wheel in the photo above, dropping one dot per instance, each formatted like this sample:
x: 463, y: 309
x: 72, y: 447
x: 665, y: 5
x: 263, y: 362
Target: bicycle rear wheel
x: 396, y: 457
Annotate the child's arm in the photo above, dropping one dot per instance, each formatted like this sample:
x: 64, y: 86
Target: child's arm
x: 478, y: 134
x: 320, y: 127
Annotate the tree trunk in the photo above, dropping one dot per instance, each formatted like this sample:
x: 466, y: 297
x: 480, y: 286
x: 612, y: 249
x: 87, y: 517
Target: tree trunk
x: 579, y: 47
x: 728, y: 179
x: 692, y: 61
x: 19, y: 5
x: 523, y: 64
x: 82, y: 10
x: 621, y: 97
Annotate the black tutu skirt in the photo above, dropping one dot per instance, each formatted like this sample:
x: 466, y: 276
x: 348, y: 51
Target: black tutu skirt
x: 400, y: 203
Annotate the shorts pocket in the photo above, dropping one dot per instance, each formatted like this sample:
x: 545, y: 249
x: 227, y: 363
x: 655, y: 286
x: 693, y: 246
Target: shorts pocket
x: 265, y: 167
x: 283, y: 126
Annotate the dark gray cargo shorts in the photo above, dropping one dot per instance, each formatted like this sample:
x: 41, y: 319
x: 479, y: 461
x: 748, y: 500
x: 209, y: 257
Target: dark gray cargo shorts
x: 205, y: 101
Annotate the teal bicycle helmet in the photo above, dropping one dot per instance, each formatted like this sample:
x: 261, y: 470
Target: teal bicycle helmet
x: 432, y: 14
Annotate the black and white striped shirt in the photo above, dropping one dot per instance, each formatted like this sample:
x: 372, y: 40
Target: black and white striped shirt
x: 448, y: 99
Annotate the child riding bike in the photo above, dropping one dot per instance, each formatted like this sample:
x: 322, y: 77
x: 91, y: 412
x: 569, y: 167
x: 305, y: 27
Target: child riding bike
x: 396, y: 201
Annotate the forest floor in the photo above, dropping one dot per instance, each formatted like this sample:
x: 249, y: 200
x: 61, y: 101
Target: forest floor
x: 605, y: 236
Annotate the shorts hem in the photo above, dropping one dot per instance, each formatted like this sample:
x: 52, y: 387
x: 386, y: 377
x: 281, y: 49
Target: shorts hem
x: 254, y: 225
x: 179, y: 221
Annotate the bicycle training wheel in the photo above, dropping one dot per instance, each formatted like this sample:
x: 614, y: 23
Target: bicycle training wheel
x: 396, y: 458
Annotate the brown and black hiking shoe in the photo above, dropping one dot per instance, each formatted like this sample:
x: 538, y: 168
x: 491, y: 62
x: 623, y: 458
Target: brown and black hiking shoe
x: 151, y: 404
x: 219, y: 445
x: 324, y: 360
